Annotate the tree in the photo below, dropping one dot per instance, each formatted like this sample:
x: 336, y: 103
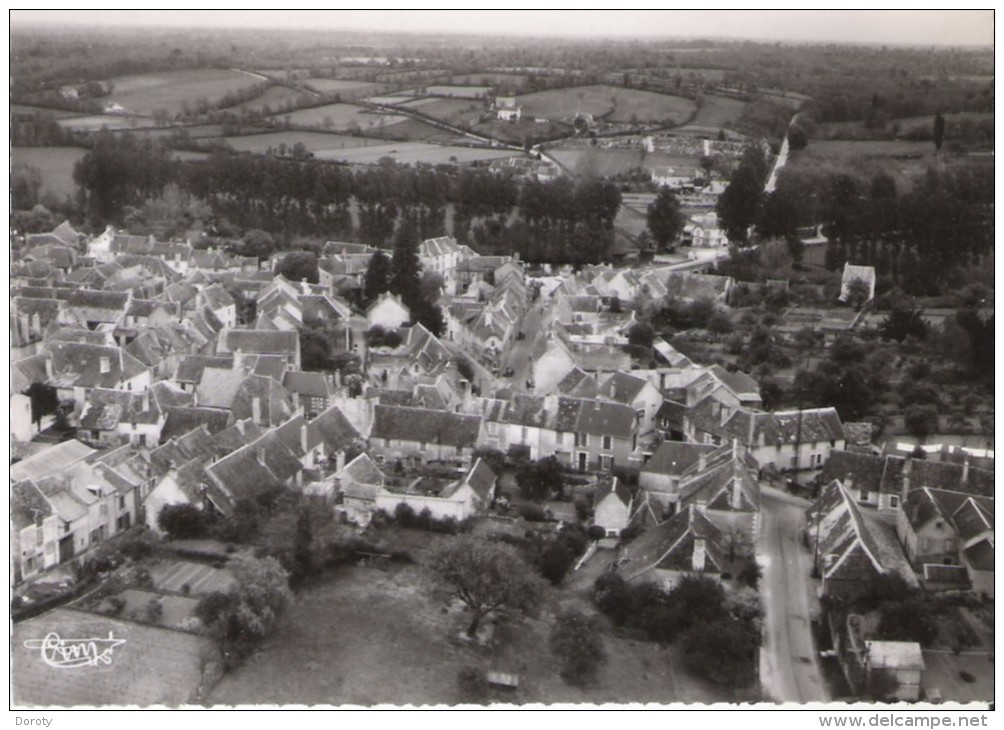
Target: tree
x: 406, y: 268
x: 44, y: 400
x: 377, y: 277
x: 555, y: 562
x: 858, y: 293
x: 258, y: 243
x: 939, y: 131
x: 576, y: 641
x: 485, y: 576
x: 664, y: 218
x: 641, y: 334
x: 541, y: 479
x: 724, y: 651
x: 798, y: 139
x: 739, y: 204
x: 921, y: 420
x: 299, y: 266
x: 183, y: 521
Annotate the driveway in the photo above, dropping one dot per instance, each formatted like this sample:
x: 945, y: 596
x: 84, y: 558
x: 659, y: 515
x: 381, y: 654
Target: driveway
x: 789, y: 665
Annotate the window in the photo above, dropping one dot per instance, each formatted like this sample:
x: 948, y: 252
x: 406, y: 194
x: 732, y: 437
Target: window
x: 894, y: 501
x: 608, y: 443
x: 386, y: 443
x: 584, y: 440
x: 794, y: 462
x: 865, y: 496
x: 122, y: 502
x: 493, y: 429
x: 607, y: 463
x: 524, y: 435
x: 559, y: 437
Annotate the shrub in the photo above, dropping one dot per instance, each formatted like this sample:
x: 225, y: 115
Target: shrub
x: 723, y: 651
x: 750, y: 573
x: 153, y: 610
x: 555, y: 562
x: 966, y: 676
x: 576, y: 641
x: 473, y: 683
x: 186, y: 589
x: 404, y: 514
x: 117, y: 605
x: 142, y: 578
x: 532, y: 513
x: 596, y: 532
x: 183, y: 522
x: 630, y: 532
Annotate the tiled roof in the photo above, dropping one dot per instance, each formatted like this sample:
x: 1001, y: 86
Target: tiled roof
x: 604, y: 418
x: 670, y: 545
x: 675, y: 457
x: 76, y: 364
x: 399, y: 423
x: 181, y: 420
x: 28, y: 506
x: 258, y: 342
x: 307, y: 383
x: 622, y: 387
x: 191, y: 367
x: 362, y: 470
x: 481, y: 478
x: 53, y: 460
x: 612, y: 486
x: 578, y: 383
x: 335, y: 429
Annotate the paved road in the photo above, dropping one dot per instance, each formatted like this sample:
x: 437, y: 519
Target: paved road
x: 518, y: 357
x: 789, y: 665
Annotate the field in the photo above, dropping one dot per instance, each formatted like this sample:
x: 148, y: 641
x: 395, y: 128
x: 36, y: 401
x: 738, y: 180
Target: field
x: 413, y: 129
x: 905, y: 161
x: 717, y: 111
x: 609, y: 102
x: 490, y: 79
x: 313, y: 141
x: 591, y: 161
x: 453, y: 111
x: 367, y: 636
x: 147, y: 93
x: 460, y: 92
x: 340, y: 116
x: 275, y: 98
x: 412, y: 152
x: 348, y: 89
x: 55, y: 113
x: 95, y: 122
x: 55, y: 165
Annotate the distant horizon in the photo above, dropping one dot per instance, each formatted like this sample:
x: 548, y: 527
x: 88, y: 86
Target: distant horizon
x: 964, y: 28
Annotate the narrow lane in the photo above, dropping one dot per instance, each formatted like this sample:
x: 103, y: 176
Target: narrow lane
x: 789, y: 664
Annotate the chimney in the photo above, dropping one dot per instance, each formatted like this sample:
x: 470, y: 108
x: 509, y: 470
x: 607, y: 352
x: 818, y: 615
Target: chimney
x: 146, y: 400
x: 339, y: 460
x: 699, y: 551
x: 597, y: 404
x: 36, y: 322
x: 304, y: 441
x: 736, y: 494
x: 105, y: 364
x: 662, y: 381
x: 613, y: 389
x: 338, y: 379
x: 259, y: 455
x: 238, y: 357
x: 702, y: 463
x: 701, y: 505
x: 304, y: 286
x: 965, y: 469
x: 256, y: 409
x: 907, y: 467
x: 239, y: 425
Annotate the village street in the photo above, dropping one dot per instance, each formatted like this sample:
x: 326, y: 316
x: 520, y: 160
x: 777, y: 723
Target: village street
x: 519, y: 355
x: 789, y: 666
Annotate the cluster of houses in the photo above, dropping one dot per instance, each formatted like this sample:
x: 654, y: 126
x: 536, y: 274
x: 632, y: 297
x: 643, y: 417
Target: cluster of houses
x: 178, y: 373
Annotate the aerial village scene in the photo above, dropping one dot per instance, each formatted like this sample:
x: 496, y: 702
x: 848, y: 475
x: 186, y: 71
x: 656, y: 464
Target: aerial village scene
x: 464, y: 368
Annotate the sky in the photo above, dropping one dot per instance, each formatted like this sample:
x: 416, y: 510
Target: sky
x: 916, y: 27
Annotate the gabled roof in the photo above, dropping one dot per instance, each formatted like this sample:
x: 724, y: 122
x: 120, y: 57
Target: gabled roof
x: 622, y: 387
x: 604, y: 418
x: 675, y: 457
x: 361, y: 470
x: 670, y: 545
x: 257, y: 341
x: 481, y: 478
x: 335, y: 429
x: 615, y: 489
x: 851, y: 547
x: 578, y: 383
x: 191, y: 367
x: 970, y: 516
x: 28, y: 506
x: 398, y: 423
x: 181, y: 420
x: 307, y: 383
x: 727, y: 484
x: 79, y: 365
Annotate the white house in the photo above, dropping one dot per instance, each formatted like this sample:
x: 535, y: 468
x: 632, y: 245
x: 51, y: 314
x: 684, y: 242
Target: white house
x: 612, y: 506
x: 865, y: 274
x: 507, y: 109
x: 388, y: 311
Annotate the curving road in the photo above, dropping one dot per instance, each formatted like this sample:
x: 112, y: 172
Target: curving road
x: 789, y: 664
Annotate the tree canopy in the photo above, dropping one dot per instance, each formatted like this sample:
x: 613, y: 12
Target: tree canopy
x: 485, y: 575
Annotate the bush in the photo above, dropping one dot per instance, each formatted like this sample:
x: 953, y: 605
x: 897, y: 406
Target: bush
x: 532, y: 513
x: 576, y: 641
x: 183, y: 522
x: 596, y: 532
x: 723, y: 651
x: 555, y: 562
x: 473, y: 683
x: 153, y: 610
x: 750, y: 573
x: 117, y: 605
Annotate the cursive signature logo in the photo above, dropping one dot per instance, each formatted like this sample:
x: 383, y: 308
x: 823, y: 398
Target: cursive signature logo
x: 72, y: 653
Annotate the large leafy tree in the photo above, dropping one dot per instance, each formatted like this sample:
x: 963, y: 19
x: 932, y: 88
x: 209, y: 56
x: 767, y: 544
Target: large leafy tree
x: 299, y: 265
x: 485, y: 576
x: 739, y: 204
x: 664, y: 218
